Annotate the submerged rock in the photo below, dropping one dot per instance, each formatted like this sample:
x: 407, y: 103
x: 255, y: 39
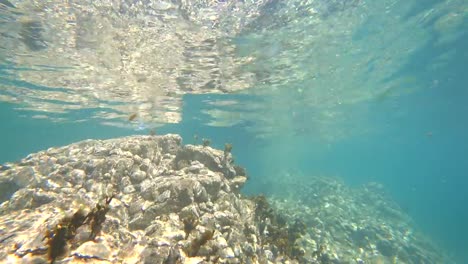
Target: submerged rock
x: 151, y: 199
x: 352, y: 225
x: 126, y: 200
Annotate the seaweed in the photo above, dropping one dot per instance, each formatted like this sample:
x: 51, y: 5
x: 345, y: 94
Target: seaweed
x: 97, y: 217
x: 248, y: 231
x: 206, y: 142
x: 297, y: 229
x: 65, y: 230
x: 57, y: 242
x: 276, y: 230
x: 319, y: 252
x: 227, y: 148
x: 196, y: 243
x: 77, y: 220
x: 281, y: 220
x: 195, y: 139
x: 189, y: 225
x: 284, y: 239
x: 262, y: 208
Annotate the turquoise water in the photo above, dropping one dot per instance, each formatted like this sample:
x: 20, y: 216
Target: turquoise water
x: 367, y: 91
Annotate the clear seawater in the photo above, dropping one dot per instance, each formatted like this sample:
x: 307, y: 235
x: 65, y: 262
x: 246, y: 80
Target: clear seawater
x: 367, y: 91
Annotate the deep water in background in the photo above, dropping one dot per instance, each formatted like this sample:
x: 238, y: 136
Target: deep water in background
x: 419, y: 152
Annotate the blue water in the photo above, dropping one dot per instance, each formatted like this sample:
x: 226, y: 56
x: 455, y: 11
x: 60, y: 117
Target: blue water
x: 425, y: 174
x: 416, y: 145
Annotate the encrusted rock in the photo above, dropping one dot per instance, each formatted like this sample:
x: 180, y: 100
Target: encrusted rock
x: 155, y: 183
x: 150, y: 199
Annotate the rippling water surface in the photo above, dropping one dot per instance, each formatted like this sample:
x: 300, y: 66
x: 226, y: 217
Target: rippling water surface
x: 303, y: 59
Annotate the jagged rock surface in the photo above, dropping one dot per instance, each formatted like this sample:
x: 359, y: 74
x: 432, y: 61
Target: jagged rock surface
x: 352, y: 225
x: 165, y: 202
x: 166, y: 198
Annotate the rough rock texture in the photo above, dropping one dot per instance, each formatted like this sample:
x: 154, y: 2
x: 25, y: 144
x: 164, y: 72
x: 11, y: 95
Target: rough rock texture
x: 150, y: 199
x: 352, y: 225
x: 170, y: 204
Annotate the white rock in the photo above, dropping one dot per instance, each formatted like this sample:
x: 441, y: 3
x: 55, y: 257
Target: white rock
x: 91, y: 248
x: 115, y: 151
x: 129, y: 189
x: 237, y: 250
x: 127, y: 154
x: 145, y: 164
x: 253, y: 238
x: 221, y: 242
x: 146, y: 205
x: 269, y: 254
x: 138, y: 176
x: 227, y: 253
x: 163, y: 196
x: 194, y: 260
x: 137, y: 159
x: 175, y: 235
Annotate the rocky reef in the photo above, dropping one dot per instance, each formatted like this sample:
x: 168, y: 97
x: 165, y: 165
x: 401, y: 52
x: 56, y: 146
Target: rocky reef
x: 141, y: 199
x: 151, y: 199
x: 352, y: 225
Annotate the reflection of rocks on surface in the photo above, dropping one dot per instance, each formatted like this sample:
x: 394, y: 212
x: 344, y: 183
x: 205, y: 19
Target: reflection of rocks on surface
x: 123, y: 51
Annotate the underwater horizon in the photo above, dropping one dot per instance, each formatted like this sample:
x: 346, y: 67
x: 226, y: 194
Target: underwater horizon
x: 347, y: 104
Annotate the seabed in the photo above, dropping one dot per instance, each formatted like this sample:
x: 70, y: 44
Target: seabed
x: 151, y: 199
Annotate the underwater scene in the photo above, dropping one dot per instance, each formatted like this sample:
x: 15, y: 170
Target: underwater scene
x: 234, y: 131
